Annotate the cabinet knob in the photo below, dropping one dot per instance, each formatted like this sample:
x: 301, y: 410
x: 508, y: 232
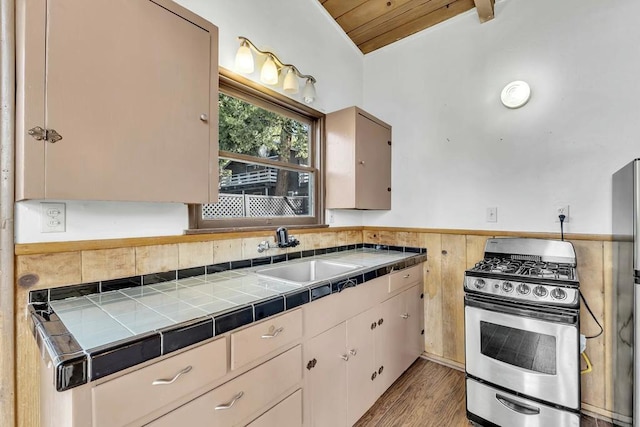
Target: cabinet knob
x: 373, y: 325
x: 345, y: 357
x: 380, y: 322
x: 353, y: 351
x: 204, y: 117
x: 361, y: 162
x: 311, y: 364
x: 380, y: 370
x: 405, y: 315
x: 374, y: 375
x: 444, y: 252
x: 388, y: 188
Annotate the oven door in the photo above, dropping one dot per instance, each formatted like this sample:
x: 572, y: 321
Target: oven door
x: 525, y: 350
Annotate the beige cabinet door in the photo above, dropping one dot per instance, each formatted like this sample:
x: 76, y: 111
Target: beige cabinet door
x: 414, y: 321
x: 131, y: 86
x: 361, y: 367
x: 389, y: 340
x: 325, y: 378
x: 373, y: 164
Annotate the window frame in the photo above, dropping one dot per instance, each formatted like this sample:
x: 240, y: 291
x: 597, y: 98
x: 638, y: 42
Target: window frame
x: 249, y: 91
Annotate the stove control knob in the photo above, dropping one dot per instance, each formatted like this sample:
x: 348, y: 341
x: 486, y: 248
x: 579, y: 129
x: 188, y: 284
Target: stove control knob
x: 479, y: 283
x: 540, y: 291
x: 507, y: 286
x: 558, y: 293
x: 523, y: 289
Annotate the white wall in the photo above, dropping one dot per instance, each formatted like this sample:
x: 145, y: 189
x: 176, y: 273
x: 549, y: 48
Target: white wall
x: 299, y: 32
x: 457, y: 150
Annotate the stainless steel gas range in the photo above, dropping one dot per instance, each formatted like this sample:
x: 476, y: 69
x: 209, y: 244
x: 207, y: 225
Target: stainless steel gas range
x: 522, y: 334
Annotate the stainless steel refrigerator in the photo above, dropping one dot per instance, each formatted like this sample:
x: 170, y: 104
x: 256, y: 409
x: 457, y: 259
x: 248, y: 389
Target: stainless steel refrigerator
x: 626, y: 281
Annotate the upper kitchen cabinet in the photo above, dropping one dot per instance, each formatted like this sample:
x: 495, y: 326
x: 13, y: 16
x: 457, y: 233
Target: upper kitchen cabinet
x: 117, y: 100
x: 358, y: 165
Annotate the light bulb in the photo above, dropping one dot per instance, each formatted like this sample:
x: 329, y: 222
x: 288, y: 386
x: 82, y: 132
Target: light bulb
x: 269, y: 72
x: 309, y: 92
x: 244, y: 59
x: 291, y: 85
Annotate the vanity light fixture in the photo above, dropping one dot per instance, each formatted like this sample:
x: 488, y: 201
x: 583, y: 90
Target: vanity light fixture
x: 269, y: 73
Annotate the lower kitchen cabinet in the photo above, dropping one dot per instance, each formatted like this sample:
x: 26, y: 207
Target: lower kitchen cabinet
x: 240, y: 398
x: 325, y: 382
x: 350, y: 365
x: 287, y: 413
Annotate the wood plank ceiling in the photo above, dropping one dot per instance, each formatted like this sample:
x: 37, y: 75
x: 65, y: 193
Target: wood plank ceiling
x: 372, y: 24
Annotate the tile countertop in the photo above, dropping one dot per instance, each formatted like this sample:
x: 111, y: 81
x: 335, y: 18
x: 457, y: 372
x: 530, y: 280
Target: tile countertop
x: 120, y: 328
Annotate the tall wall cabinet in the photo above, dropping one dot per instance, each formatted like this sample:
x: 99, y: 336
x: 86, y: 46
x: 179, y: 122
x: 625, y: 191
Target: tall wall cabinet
x: 117, y: 100
x: 358, y: 166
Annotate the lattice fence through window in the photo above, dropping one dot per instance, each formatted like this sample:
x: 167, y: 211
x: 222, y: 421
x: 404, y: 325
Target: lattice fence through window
x: 238, y: 205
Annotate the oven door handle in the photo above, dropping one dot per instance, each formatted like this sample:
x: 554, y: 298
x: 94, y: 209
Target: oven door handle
x: 517, y: 406
x: 551, y: 315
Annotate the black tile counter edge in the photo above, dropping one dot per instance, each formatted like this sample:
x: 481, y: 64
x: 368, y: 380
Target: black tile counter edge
x: 75, y: 367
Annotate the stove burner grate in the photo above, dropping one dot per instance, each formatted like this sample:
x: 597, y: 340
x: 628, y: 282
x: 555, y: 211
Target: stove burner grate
x: 529, y: 268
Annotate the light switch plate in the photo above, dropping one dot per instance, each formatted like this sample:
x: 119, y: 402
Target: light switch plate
x: 492, y: 214
x: 53, y: 217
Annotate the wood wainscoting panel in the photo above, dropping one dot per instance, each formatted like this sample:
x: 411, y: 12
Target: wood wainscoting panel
x: 609, y: 332
x: 195, y: 254
x: 433, y: 319
x: 106, y: 264
x: 454, y: 261
x: 227, y: 250
x: 48, y: 270
x: 154, y: 259
x: 475, y: 249
x: 349, y: 237
x: 27, y: 367
x: 590, y: 273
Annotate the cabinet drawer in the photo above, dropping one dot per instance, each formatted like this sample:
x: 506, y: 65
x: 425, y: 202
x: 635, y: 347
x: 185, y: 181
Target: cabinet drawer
x: 259, y: 340
x: 131, y: 396
x: 405, y: 278
x: 331, y: 310
x: 233, y: 402
x: 287, y: 413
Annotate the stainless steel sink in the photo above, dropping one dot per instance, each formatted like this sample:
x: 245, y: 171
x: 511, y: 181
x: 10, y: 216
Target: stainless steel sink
x: 308, y: 271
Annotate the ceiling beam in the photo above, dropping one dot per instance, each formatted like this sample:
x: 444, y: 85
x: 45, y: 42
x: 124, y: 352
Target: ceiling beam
x: 485, y: 9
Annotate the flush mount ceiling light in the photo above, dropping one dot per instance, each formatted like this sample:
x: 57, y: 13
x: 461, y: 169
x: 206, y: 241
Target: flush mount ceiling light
x: 515, y: 94
x: 269, y: 73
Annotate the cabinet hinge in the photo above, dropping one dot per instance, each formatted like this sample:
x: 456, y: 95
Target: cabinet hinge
x: 49, y: 135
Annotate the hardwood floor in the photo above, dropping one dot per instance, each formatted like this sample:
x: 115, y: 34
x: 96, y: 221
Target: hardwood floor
x: 428, y: 395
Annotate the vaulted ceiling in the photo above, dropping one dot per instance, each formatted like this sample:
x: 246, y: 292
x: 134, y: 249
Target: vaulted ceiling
x: 372, y: 24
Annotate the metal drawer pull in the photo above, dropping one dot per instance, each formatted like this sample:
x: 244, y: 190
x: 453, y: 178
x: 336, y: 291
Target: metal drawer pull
x: 274, y: 334
x: 345, y: 357
x: 406, y: 276
x: 405, y: 316
x: 517, y: 406
x: 172, y: 380
x: 230, y: 404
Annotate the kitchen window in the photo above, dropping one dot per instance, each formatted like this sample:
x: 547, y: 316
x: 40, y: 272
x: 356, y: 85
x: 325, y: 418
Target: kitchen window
x: 269, y: 160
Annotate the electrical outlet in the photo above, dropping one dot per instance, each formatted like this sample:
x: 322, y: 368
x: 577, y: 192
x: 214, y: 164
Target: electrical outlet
x: 53, y: 217
x: 562, y: 210
x: 492, y: 214
x: 331, y: 217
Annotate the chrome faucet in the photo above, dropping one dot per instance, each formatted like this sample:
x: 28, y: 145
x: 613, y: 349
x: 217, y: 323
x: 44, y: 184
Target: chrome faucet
x: 283, y: 240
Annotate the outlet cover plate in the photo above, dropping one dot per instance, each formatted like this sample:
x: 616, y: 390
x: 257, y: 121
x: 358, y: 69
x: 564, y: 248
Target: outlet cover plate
x: 53, y: 217
x: 562, y: 210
